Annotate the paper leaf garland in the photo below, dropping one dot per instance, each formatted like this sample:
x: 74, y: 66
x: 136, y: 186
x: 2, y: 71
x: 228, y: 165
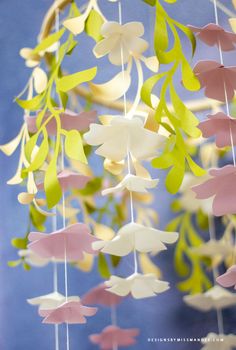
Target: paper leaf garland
x: 228, y: 279
x: 219, y: 81
x: 114, y: 336
x: 221, y: 126
x: 140, y: 286
x: 71, y: 312
x: 123, y: 134
x: 100, y: 296
x: 135, y: 236
x: 75, y: 240
x: 221, y: 186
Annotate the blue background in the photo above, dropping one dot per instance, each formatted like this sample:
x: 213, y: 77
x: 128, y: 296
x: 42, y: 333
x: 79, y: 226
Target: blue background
x: 20, y: 326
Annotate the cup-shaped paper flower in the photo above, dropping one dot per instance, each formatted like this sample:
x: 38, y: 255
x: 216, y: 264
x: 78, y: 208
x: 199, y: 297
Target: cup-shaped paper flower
x: 114, y: 336
x: 213, y: 34
x: 222, y: 187
x: 70, y: 312
x: 50, y: 301
x: 135, y: 236
x: 228, y: 279
x: 74, y: 240
x: 140, y: 286
x: 122, y: 135
x: 215, y: 298
x: 219, y: 341
x: 132, y: 183
x: 121, y: 38
x: 219, y: 81
x: 32, y: 259
x: 221, y: 126
x: 69, y: 179
x: 100, y: 296
x: 69, y: 121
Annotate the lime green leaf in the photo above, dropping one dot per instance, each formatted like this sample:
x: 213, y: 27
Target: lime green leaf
x: 26, y: 266
x: 71, y: 81
x: 49, y: 41
x: 93, y: 25
x: 161, y: 39
x: 51, y: 184
x: 41, y: 154
x: 150, y: 2
x: 115, y: 260
x: 74, y: 146
x: 189, y: 35
x: 92, y: 187
x: 175, y: 177
x: 190, y: 81
x: 19, y: 243
x: 148, y: 86
x: 103, y: 267
x: 14, y: 263
x: 29, y: 146
x: 163, y: 162
x: 37, y: 218
x: 33, y: 104
x: 195, y: 168
x: 202, y: 220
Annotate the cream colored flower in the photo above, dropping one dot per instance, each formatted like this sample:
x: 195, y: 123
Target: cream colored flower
x: 219, y: 341
x: 119, y: 38
x: 140, y: 286
x: 214, y: 248
x: 32, y: 259
x: 50, y: 301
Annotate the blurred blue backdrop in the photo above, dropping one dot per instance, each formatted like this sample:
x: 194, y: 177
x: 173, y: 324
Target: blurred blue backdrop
x: 20, y: 326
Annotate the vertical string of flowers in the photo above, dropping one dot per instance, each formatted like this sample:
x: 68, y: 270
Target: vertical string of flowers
x: 219, y: 83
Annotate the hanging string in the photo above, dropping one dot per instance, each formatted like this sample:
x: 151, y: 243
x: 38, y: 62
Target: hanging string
x: 225, y: 91
x: 223, y: 8
x: 128, y: 153
x: 114, y: 323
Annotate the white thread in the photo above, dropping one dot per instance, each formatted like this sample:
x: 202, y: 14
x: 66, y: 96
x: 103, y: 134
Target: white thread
x: 224, y: 9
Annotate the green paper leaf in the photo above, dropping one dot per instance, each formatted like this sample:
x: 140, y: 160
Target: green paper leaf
x: 148, y: 86
x: 49, y: 41
x: 14, y: 263
x: 103, y: 267
x: 69, y: 82
x: 37, y: 218
x: 190, y: 81
x: 32, y: 104
x: 92, y: 187
x: 93, y: 25
x: 41, y: 154
x: 150, y: 2
x: 19, y: 243
x: 74, y: 146
x: 175, y: 177
x: 51, y: 184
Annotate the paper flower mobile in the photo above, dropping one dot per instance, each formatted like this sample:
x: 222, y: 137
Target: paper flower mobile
x: 70, y: 312
x: 138, y: 237
x: 75, y: 240
x: 228, y: 279
x: 140, y: 286
x: 69, y: 179
x: 215, y: 298
x: 50, y: 301
x: 124, y: 135
x: 100, y: 296
x: 222, y: 187
x: 117, y: 38
x: 33, y: 259
x: 114, y: 336
x: 217, y: 79
x: 221, y: 341
x: 188, y: 198
x: 69, y: 121
x: 213, y: 34
x: 221, y: 126
x: 132, y: 183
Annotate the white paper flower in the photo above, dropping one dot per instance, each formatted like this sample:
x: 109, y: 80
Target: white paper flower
x: 219, y: 341
x: 117, y: 38
x: 50, y: 301
x: 32, y: 259
x: 215, y: 298
x: 188, y: 198
x: 214, y: 248
x: 132, y: 183
x: 135, y: 236
x: 140, y: 286
x: 122, y: 135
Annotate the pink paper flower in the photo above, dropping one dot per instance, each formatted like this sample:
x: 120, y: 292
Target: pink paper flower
x: 219, y: 125
x: 222, y: 187
x: 228, y: 279
x: 70, y: 312
x: 217, y: 79
x: 114, y: 336
x: 99, y: 295
x: 69, y: 121
x: 75, y: 240
x: 212, y: 34
x: 69, y: 179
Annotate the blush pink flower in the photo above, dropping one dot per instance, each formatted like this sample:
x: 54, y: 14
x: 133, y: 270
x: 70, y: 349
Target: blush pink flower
x: 219, y: 125
x: 217, y: 79
x: 114, y: 336
x: 69, y: 121
x: 213, y: 34
x: 99, y: 295
x: 228, y: 279
x: 222, y: 187
x: 69, y: 179
x: 70, y: 312
x: 75, y: 240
